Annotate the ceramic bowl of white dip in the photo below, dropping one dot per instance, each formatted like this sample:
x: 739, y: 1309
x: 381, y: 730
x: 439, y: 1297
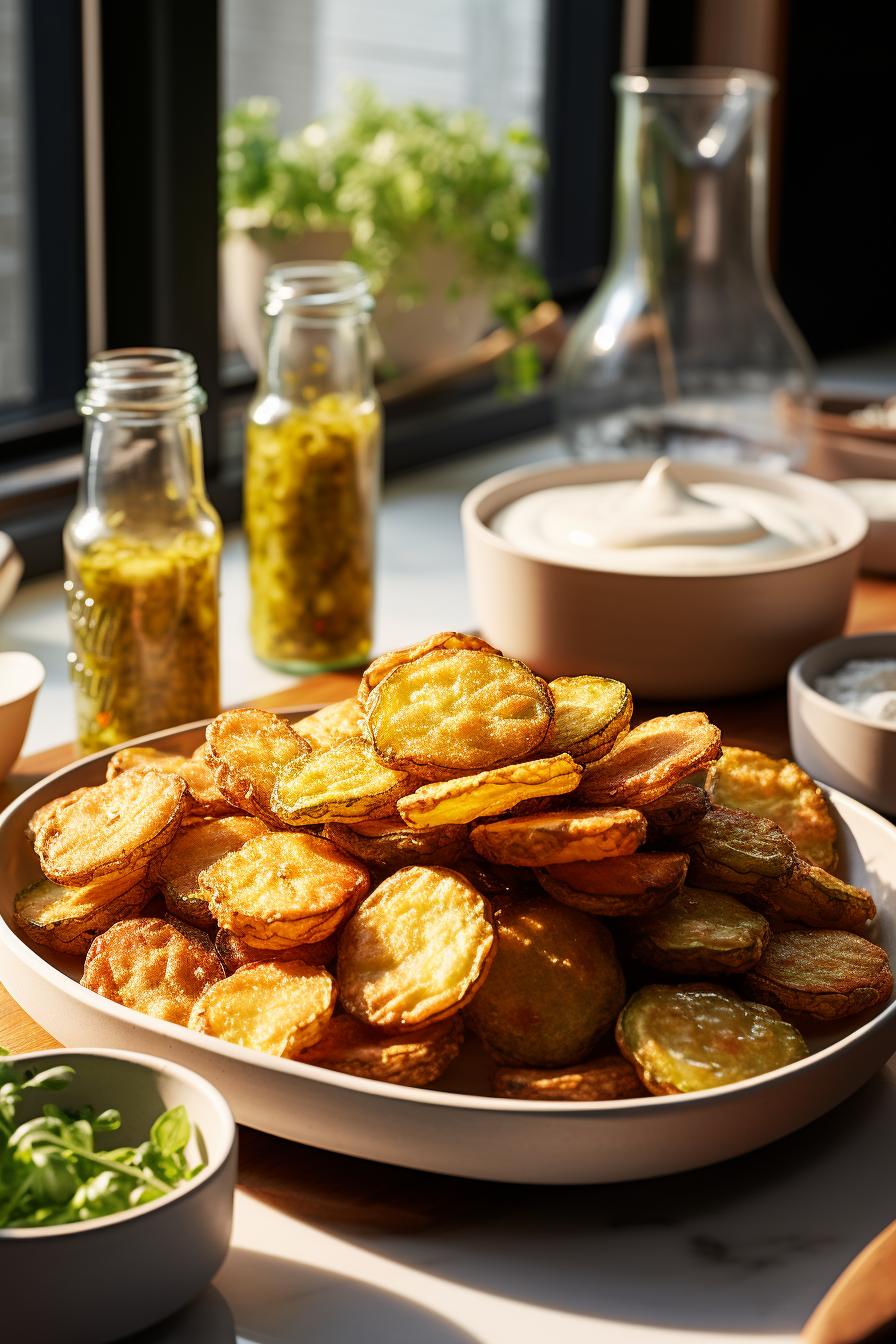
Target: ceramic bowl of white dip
x: 679, y: 631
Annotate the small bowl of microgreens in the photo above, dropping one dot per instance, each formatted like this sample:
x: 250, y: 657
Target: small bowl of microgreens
x: 117, y: 1174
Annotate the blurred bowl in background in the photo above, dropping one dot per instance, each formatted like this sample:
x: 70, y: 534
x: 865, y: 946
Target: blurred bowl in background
x: 878, y: 500
x: 21, y: 677
x: 12, y: 567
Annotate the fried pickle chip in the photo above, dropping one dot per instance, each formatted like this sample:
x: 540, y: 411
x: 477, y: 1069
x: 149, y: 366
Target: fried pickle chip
x: 116, y: 827
x: 748, y: 856
x: 234, y: 952
x: 609, y: 1079
x: 346, y: 782
x: 561, y: 837
x: 387, y: 662
x: 650, y: 759
x: 194, y: 849
x: 699, y: 933
x: 824, y: 973
x: 589, y: 715
x: 332, y: 724
x: 155, y: 966
x: 553, y: 989
x: 633, y: 885
x: 69, y: 918
x: 392, y: 843
x: 195, y: 771
x: 456, y: 712
x: 498, y: 882
x: 687, y: 1038
x: 277, y: 1007
x: 417, y: 949
x: 144, y: 758
x: 683, y: 805
x: 456, y: 801
x: 816, y: 897
x: 753, y: 782
x: 247, y: 750
x: 43, y: 814
x: 283, y: 889
x: 412, y: 1058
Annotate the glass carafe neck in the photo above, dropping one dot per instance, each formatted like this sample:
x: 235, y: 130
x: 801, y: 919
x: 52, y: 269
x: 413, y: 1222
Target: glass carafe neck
x: 316, y: 320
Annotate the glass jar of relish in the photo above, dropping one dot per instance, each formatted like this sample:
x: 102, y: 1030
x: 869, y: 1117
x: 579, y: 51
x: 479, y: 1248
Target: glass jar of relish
x: 313, y: 445
x: 142, y: 549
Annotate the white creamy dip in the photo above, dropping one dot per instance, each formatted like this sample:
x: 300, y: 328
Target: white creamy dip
x: 659, y: 526
x: 865, y: 685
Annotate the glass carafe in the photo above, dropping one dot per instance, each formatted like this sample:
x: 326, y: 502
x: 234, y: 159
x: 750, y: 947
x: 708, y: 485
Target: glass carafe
x: 686, y: 343
x: 142, y: 548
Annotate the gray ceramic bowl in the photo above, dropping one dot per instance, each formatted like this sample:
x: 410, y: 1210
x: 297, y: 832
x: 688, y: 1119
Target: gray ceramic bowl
x: 88, y: 1283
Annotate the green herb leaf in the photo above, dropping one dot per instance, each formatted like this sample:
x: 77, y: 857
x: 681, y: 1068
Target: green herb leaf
x: 171, y: 1132
x: 52, y: 1080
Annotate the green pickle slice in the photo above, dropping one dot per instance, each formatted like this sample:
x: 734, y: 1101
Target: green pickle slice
x: 688, y: 1038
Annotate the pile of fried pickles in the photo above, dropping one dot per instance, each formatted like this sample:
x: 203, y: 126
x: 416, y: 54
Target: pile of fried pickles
x: 613, y: 911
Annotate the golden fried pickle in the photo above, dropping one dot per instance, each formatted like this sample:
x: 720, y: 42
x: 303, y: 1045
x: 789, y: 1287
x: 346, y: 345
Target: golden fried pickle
x: 392, y: 843
x: 247, y: 750
x: 699, y: 933
x: 194, y: 849
x: 115, y: 828
x: 753, y: 782
x: 67, y: 919
x: 416, y: 950
x: 345, y: 782
x: 608, y: 1079
x: 332, y: 724
x: 160, y: 967
x: 144, y: 758
x: 43, y: 814
x: 195, y: 771
x: 553, y: 989
x: 561, y: 837
x: 283, y: 889
x: 589, y: 715
x: 688, y: 1038
x: 277, y: 1007
x: 498, y: 882
x: 413, y: 1058
x: 387, y: 662
x: 633, y: 885
x: 824, y: 973
x: 458, y: 801
x: 649, y: 760
x: 682, y: 806
x: 456, y: 712
x: 748, y: 856
x: 234, y: 952
x: 818, y: 898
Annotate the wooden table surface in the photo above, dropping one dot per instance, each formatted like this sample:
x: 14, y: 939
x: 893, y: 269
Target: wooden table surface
x: 327, y: 1187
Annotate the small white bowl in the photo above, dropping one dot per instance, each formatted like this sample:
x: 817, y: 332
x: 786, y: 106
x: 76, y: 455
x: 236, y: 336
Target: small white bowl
x: 88, y: 1283
x: 21, y: 677
x: 833, y: 744
x: 878, y: 501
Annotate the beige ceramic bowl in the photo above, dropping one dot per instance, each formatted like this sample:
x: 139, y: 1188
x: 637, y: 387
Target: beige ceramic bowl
x: 21, y: 677
x: 666, y: 636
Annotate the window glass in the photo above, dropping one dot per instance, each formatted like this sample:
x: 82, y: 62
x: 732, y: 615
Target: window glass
x: 15, y: 335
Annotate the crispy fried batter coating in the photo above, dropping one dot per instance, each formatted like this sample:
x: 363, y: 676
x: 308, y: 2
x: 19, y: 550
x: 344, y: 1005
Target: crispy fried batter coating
x: 247, y: 750
x: 277, y: 1007
x: 69, y: 918
x: 553, y: 989
x: 413, y: 1058
x: 457, y: 801
x: 194, y: 849
x: 345, y: 782
x: 195, y: 771
x: 116, y: 827
x: 43, y: 814
x: 683, y: 805
x: 234, y: 952
x: 609, y: 1079
x: 284, y: 888
x: 561, y: 837
x: 155, y: 966
x: 748, y: 856
x: 824, y: 973
x: 754, y: 782
x: 818, y: 898
x: 633, y: 885
x: 392, y: 843
x: 687, y: 1038
x: 417, y: 949
x: 589, y: 715
x: 387, y: 662
x: 699, y: 933
x: 650, y: 759
x: 332, y: 724
x: 456, y: 712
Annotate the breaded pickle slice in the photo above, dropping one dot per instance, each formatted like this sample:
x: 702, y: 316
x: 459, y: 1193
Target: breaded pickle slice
x: 332, y: 724
x: 553, y: 989
x: 194, y: 770
x: 413, y: 1058
x: 69, y: 918
x: 699, y: 933
x: 194, y: 849
x: 682, y: 806
x: 234, y: 952
x: 144, y: 758
x: 345, y: 782
x: 561, y: 837
x: 247, y: 750
x: 39, y: 818
x: 649, y: 760
x: 380, y: 668
x: 284, y: 888
x: 115, y: 828
x: 276, y: 1007
x: 589, y: 714
x: 498, y: 882
x: 491, y: 792
x: 392, y: 843
x: 748, y: 856
x: 633, y: 885
x: 824, y: 973
x: 417, y: 949
x: 779, y: 789
x: 820, y: 899
x: 455, y: 712
x: 688, y: 1038
x: 155, y: 966
x: 609, y: 1079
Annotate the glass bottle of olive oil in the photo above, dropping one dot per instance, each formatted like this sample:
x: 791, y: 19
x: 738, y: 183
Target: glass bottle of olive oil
x: 313, y: 443
x: 142, y: 549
